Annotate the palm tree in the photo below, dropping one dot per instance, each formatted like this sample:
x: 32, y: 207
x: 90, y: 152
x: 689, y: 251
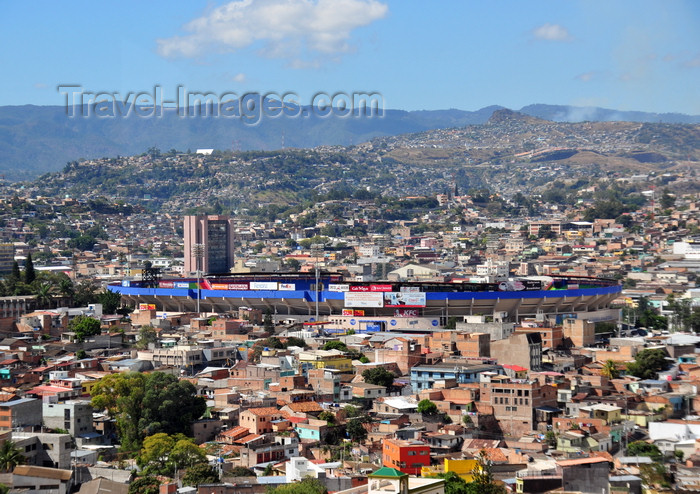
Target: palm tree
x: 43, y: 294
x: 66, y: 288
x: 10, y: 456
x: 610, y: 370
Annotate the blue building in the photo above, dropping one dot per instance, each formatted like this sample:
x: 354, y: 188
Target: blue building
x: 424, y: 376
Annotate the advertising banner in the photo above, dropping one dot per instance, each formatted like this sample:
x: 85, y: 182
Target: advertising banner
x: 338, y: 288
x: 240, y: 286
x: 380, y: 288
x: 263, y: 285
x: 165, y: 284
x: 353, y: 312
x: 410, y: 289
x: 147, y: 306
x: 406, y: 313
x: 361, y: 299
x: 359, y: 288
x: 404, y: 299
x: 287, y: 286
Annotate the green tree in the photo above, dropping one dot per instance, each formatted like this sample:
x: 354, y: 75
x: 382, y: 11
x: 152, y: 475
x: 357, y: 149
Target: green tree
x: 144, y: 405
x: 82, y: 242
x: 84, y: 293
x: 29, y: 272
x: 648, y: 363
x: 84, y: 327
x: 10, y: 456
x: 186, y: 454
x: 610, y: 370
x: 110, y: 301
x: 154, y: 457
x: 81, y: 354
x: 379, y: 376
x: 483, y: 482
x: 427, y: 407
x: 268, y: 323
x: 147, y: 484
x: 307, y: 486
x: 147, y: 335
x: 356, y: 430
x: 242, y: 472
x: 327, y: 416
x: 667, y: 200
x: 454, y: 484
x: 43, y: 294
x: 643, y: 448
x: 201, y: 473
x: 335, y: 345
x: 294, y: 341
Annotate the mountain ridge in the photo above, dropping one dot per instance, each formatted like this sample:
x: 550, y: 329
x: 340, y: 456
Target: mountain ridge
x: 39, y: 139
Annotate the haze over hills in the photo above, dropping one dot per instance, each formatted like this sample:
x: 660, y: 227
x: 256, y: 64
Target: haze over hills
x: 39, y: 139
x: 511, y: 153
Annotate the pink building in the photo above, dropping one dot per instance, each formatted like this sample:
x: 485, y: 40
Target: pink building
x: 215, y: 235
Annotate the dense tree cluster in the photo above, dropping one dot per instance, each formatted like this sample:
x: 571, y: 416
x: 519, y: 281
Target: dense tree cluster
x: 147, y: 404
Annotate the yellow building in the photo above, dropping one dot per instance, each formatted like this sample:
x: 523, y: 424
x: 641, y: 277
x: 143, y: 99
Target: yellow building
x: 463, y: 468
x: 325, y: 359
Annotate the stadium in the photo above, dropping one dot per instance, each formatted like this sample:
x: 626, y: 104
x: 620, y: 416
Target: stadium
x: 377, y: 306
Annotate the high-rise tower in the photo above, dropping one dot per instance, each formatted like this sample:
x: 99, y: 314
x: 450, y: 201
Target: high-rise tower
x: 209, y: 240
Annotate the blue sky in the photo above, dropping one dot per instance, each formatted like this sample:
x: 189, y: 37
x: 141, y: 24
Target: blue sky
x: 626, y: 55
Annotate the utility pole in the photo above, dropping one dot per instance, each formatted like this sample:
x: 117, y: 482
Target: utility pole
x: 316, y: 248
x: 198, y: 253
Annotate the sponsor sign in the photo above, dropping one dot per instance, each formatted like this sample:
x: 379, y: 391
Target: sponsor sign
x: 380, y: 288
x: 406, y: 313
x: 361, y: 299
x: 288, y: 286
x: 353, y: 312
x: 404, y: 299
x: 166, y: 284
x: 147, y: 306
x: 410, y: 289
x: 263, y: 285
x: 238, y: 286
x: 126, y: 283
x: 181, y: 284
x: 338, y: 288
x: 219, y: 286
x: 519, y: 285
x: 359, y: 288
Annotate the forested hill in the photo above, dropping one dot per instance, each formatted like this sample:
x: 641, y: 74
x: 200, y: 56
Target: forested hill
x: 39, y: 139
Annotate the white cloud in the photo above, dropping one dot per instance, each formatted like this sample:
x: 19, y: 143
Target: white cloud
x: 240, y: 77
x: 692, y: 63
x: 586, y: 76
x: 551, y: 32
x: 291, y: 29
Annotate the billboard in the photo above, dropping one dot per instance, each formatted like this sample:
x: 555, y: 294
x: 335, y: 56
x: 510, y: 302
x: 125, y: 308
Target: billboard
x: 263, y: 285
x: 287, y: 286
x: 406, y: 312
x: 338, y: 288
x: 147, y: 306
x: 380, y: 288
x: 229, y: 286
x: 166, y: 284
x: 353, y: 312
x: 363, y: 299
x: 404, y: 299
x: 411, y: 289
